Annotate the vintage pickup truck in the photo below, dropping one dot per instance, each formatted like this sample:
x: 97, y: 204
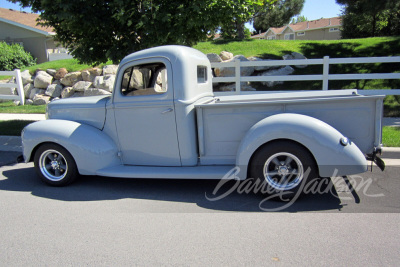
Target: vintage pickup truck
x: 164, y: 121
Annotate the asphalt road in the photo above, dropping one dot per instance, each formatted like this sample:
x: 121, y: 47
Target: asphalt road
x: 118, y: 222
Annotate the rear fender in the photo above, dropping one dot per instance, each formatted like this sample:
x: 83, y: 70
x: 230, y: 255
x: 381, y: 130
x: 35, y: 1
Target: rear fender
x: 321, y: 139
x: 91, y: 148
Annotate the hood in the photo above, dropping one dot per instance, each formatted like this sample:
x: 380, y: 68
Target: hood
x: 86, y: 110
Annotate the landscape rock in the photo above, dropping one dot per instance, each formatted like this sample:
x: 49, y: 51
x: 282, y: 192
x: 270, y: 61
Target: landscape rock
x: 110, y: 70
x: 26, y: 77
x: 230, y: 71
x: 230, y: 87
x: 89, y: 75
x: 95, y: 91
x: 295, y: 56
x: 81, y: 86
x: 224, y: 55
x: 262, y: 68
x: 214, y: 58
x: 41, y: 100
x: 29, y: 102
x: 71, y: 78
x: 36, y: 91
x: 52, y: 72
x: 42, y: 80
x: 27, y: 89
x: 104, y: 82
x: 278, y: 72
x: 60, y: 73
x: 67, y: 92
x: 78, y: 94
x: 54, y: 90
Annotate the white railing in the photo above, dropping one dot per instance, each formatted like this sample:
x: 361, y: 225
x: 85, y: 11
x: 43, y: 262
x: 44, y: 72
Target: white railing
x: 18, y: 85
x: 325, y: 77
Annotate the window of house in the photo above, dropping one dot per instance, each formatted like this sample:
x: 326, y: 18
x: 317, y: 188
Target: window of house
x: 272, y: 37
x: 146, y: 79
x: 289, y: 36
x: 201, y: 74
x: 333, y: 29
x: 301, y: 33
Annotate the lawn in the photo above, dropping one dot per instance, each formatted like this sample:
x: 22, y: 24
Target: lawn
x: 391, y: 136
x: 10, y: 107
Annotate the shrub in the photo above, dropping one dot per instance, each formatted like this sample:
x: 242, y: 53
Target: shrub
x: 14, y: 57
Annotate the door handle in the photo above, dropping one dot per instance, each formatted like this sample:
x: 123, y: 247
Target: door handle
x: 167, y: 111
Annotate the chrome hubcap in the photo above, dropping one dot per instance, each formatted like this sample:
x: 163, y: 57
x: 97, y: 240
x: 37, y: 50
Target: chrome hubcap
x: 283, y: 171
x: 53, y: 165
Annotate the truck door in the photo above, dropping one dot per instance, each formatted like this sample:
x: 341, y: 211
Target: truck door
x: 145, y: 114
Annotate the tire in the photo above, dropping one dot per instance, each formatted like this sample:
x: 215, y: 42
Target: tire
x: 55, y: 165
x: 283, y: 167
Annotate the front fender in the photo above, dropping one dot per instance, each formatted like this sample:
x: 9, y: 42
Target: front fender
x: 321, y: 139
x: 91, y: 148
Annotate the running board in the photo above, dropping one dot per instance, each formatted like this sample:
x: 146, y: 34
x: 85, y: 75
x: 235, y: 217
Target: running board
x: 196, y: 172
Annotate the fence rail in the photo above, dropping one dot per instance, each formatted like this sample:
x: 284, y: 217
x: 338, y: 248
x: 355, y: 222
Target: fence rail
x: 325, y: 77
x: 17, y: 84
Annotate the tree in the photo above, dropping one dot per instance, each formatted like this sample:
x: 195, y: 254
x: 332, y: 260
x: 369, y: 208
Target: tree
x: 96, y: 31
x: 368, y: 18
x: 280, y: 14
x: 299, y: 19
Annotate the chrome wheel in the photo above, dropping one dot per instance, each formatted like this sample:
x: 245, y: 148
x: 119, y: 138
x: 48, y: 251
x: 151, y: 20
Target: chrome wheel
x: 53, y: 165
x: 283, y: 171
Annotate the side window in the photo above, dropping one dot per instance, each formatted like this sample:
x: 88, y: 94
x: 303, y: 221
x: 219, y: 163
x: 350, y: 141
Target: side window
x: 146, y: 79
x: 201, y: 74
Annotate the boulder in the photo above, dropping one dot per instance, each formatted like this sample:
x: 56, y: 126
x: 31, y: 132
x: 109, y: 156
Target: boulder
x: 42, y: 80
x: 104, y: 82
x: 60, y: 74
x: 262, y: 68
x: 36, y: 91
x: 230, y: 87
x: 110, y: 70
x: 78, y: 94
x: 295, y: 56
x: 29, y: 102
x: 27, y: 89
x: 230, y: 71
x: 89, y: 75
x: 214, y: 57
x: 67, y: 92
x: 224, y: 55
x: 26, y: 77
x: 41, y: 100
x: 278, y: 72
x: 71, y: 78
x: 81, y: 86
x: 52, y: 72
x: 54, y: 90
x: 95, y: 91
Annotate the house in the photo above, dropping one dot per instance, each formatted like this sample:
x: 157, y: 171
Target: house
x: 21, y: 27
x: 321, y: 29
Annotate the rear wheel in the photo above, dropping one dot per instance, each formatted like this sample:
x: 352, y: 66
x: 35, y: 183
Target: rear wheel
x: 55, y: 165
x: 284, y: 167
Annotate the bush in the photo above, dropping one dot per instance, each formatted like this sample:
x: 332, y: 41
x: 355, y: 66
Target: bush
x: 14, y: 57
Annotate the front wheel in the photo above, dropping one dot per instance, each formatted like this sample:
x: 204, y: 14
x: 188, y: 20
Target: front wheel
x: 55, y: 165
x: 284, y: 167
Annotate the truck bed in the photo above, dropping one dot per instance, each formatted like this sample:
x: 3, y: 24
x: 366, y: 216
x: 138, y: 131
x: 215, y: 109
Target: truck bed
x: 223, y: 121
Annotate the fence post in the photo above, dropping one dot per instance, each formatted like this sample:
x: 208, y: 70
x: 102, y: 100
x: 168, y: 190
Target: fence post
x: 325, y: 73
x: 237, y: 76
x: 20, y: 86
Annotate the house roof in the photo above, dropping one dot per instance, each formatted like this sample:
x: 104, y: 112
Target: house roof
x: 24, y: 20
x: 308, y: 25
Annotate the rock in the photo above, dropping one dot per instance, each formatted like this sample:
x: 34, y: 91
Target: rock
x: 29, y: 102
x: 110, y: 70
x: 81, y: 86
x: 54, y: 90
x: 36, y: 91
x: 52, y: 72
x: 26, y: 77
x: 42, y: 80
x: 89, y: 75
x: 78, y: 94
x: 60, y: 74
x: 67, y: 92
x: 295, y: 56
x: 230, y: 87
x: 224, y: 55
x: 278, y: 72
x: 262, y: 68
x: 71, y: 78
x: 27, y: 89
x: 104, y: 82
x: 17, y: 102
x: 95, y: 91
x: 41, y: 100
x: 230, y: 71
x: 214, y: 57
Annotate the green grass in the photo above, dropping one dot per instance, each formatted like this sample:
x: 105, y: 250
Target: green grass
x: 10, y: 107
x: 391, y: 136
x: 13, y: 128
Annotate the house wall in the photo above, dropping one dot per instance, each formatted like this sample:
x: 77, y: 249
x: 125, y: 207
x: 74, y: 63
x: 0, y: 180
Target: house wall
x: 319, y: 34
x: 34, y: 43
x: 286, y: 31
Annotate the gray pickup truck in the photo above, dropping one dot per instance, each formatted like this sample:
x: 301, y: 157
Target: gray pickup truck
x: 163, y: 121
